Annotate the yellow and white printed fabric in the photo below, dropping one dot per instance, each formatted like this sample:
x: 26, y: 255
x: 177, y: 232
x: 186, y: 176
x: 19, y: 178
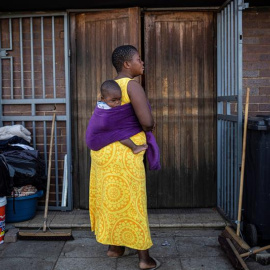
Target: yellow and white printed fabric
x: 117, y: 199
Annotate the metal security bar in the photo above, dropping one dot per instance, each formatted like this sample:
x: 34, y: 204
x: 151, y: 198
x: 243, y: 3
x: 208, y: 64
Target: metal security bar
x: 229, y: 106
x: 34, y: 82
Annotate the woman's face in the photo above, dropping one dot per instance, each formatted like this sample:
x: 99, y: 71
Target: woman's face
x: 136, y: 65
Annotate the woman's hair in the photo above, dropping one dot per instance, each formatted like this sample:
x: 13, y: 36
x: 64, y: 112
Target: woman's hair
x: 121, y: 54
x: 109, y: 85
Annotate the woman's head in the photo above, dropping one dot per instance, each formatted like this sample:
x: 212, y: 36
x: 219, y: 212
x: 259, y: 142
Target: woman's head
x: 111, y: 93
x: 121, y: 55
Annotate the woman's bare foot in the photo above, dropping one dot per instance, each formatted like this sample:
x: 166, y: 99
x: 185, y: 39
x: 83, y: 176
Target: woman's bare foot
x: 115, y: 251
x: 146, y: 262
x: 139, y: 148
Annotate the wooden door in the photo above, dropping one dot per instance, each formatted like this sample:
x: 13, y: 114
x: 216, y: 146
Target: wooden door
x: 179, y: 80
x: 96, y: 34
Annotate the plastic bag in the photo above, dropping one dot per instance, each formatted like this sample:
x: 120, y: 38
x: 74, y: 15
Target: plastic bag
x: 28, y: 166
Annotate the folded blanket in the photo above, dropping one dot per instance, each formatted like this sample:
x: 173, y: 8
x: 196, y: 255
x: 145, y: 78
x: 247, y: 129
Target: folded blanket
x: 119, y: 123
x: 7, y: 132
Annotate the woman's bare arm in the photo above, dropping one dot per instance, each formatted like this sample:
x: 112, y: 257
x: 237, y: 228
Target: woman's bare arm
x: 139, y: 102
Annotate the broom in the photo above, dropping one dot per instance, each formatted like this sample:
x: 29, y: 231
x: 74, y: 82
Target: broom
x: 44, y: 234
x: 233, y: 255
x: 235, y: 239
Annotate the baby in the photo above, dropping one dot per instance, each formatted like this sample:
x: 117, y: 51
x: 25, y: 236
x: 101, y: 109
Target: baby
x: 111, y: 97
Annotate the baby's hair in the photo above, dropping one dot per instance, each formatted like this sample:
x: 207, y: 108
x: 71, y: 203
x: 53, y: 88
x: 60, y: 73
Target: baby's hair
x: 121, y: 54
x: 109, y: 85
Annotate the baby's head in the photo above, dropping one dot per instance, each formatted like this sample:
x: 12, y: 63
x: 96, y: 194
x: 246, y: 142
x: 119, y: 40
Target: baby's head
x: 111, y: 93
x: 122, y: 54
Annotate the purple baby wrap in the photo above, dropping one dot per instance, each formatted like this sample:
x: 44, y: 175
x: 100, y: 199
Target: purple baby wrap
x: 119, y: 123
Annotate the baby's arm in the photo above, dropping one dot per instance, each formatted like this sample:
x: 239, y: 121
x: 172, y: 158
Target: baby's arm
x: 135, y: 148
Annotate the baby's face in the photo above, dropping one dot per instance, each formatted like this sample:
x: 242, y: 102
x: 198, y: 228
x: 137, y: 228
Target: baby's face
x: 113, y: 99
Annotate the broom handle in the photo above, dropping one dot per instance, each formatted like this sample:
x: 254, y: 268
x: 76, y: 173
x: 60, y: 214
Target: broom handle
x: 243, y: 165
x: 255, y: 251
x: 49, y: 175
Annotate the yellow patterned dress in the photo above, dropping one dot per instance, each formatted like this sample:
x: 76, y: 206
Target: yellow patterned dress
x: 117, y: 200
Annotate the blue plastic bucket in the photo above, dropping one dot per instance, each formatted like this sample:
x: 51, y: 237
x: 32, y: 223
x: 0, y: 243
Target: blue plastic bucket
x: 22, y: 208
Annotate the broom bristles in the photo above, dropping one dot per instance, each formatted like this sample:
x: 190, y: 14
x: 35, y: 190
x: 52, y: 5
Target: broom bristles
x: 231, y: 252
x: 57, y: 235
x: 240, y: 245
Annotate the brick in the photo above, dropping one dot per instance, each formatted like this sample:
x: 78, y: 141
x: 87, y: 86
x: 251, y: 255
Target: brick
x: 263, y: 23
x: 264, y: 107
x: 247, y: 24
x: 45, y: 107
x: 265, y: 72
x: 264, y: 90
x: 265, y: 57
x: 250, y: 73
x: 254, y: 91
x: 261, y: 14
x: 264, y: 40
x: 252, y: 107
x: 11, y: 235
x: 257, y: 48
x: 251, y: 40
x: 250, y: 32
x: 251, y: 82
x: 260, y: 99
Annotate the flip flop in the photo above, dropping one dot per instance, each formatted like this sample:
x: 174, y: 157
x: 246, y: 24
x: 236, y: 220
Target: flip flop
x: 158, y: 264
x: 127, y: 252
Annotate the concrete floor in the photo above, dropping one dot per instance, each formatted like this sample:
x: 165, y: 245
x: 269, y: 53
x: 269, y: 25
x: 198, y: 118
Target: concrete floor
x: 179, y: 218
x: 185, y: 239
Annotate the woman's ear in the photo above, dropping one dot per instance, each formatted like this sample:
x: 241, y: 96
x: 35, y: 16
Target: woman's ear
x: 126, y: 65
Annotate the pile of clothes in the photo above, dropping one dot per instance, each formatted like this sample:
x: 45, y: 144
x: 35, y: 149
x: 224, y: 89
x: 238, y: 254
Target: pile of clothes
x: 21, y: 166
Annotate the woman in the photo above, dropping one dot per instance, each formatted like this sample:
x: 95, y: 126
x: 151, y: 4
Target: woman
x: 118, y: 204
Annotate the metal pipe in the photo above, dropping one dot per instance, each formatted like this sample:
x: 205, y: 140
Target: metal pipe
x: 222, y: 53
x: 225, y: 53
x: 35, y: 101
x: 31, y: 15
x: 32, y: 58
x: 229, y: 50
x: 53, y: 54
x: 11, y: 78
x: 56, y: 165
x: 32, y: 118
x: 45, y: 144
x: 10, y: 34
x: 68, y: 111
x: 232, y: 51
x: 21, y: 56
x: 42, y: 57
